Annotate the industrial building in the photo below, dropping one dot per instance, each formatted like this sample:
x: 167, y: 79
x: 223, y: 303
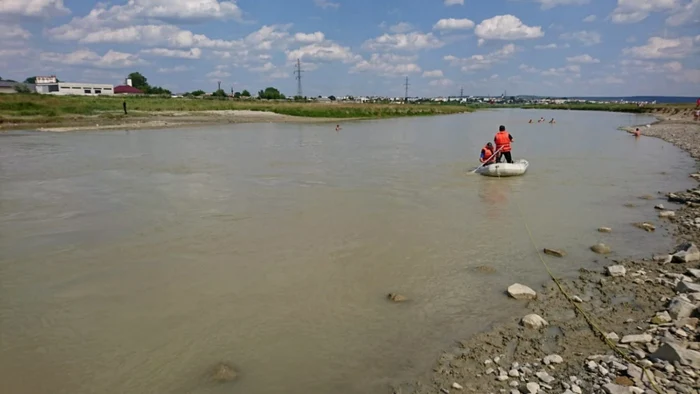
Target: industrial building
x: 50, y: 85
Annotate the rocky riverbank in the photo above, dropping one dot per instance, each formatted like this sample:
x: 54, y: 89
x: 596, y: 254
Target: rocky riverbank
x: 643, y: 332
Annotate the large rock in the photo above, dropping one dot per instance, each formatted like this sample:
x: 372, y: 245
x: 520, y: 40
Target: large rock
x: 694, y: 273
x: 680, y: 307
x: 686, y: 253
x: 640, y: 338
x: 687, y: 287
x: 521, y: 292
x: 673, y: 352
x: 601, y: 248
x: 534, y: 321
x: 616, y: 270
x: 554, y: 252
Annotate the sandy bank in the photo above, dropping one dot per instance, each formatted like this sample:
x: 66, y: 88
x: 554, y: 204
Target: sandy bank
x: 653, y: 298
x: 170, y: 119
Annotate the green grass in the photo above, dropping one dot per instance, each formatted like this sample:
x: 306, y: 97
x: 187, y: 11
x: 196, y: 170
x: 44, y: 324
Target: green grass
x: 32, y: 107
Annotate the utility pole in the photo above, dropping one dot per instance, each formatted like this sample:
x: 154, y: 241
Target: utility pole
x: 219, y: 86
x: 406, y: 94
x: 298, y: 72
x: 461, y: 93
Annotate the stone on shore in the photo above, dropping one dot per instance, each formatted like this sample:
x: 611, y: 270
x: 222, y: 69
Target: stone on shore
x: 612, y: 388
x: 601, y: 248
x: 457, y: 386
x: 616, y: 270
x: 534, y: 321
x: 662, y: 318
x: 686, y: 253
x: 396, y: 297
x: 521, y: 292
x: 533, y: 388
x: 554, y: 252
x: 224, y: 373
x: 553, y: 359
x: 695, y: 273
x: 639, y: 338
x: 687, y: 287
x: 680, y: 307
x: 674, y: 352
x: 648, y: 227
x: 663, y: 258
x: 667, y: 214
x: 660, y: 207
x: 604, y: 230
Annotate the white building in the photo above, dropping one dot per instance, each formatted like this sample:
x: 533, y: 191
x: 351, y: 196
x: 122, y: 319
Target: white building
x: 74, y: 88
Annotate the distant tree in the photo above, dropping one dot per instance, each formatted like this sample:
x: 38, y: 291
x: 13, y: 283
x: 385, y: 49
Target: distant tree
x: 198, y: 92
x: 139, y: 81
x: 332, y: 98
x: 245, y: 93
x: 22, y: 88
x: 31, y: 80
x: 219, y: 93
x: 237, y: 95
x: 299, y: 98
x: 351, y: 98
x: 156, y: 90
x: 270, y: 93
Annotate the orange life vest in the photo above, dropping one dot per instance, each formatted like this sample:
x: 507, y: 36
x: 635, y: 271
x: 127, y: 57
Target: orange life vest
x: 487, y: 155
x: 502, y: 140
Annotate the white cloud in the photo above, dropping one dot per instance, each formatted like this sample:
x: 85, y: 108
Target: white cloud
x: 194, y: 53
x: 528, y: 69
x: 218, y: 74
x: 309, y: 38
x: 563, y: 71
x: 408, y: 42
x: 482, y: 62
x: 686, y: 76
x: 583, y: 59
x: 547, y: 4
x: 85, y: 57
x: 453, y: 2
x: 551, y: 46
x: 326, y: 4
x: 590, y: 18
x: 387, y: 64
x: 401, y: 27
x: 10, y: 34
x: 632, y: 11
x: 689, y: 13
x: 453, y: 24
x: 176, y: 69
x: 433, y: 74
x: 631, y: 39
x: 506, y: 27
x: 323, y: 52
x: 587, y: 38
x: 33, y: 8
x: 609, y: 80
x: 442, y: 82
x: 662, y: 48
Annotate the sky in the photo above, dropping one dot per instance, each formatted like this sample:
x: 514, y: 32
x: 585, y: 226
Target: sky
x: 362, y: 47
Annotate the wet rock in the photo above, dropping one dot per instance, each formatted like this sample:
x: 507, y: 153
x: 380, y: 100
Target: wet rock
x: 639, y: 338
x: 534, y: 321
x: 545, y: 377
x: 612, y: 336
x: 533, y: 388
x: 457, y: 386
x: 223, y: 373
x: 679, y: 308
x: 662, y: 318
x: 554, y: 252
x: 673, y: 352
x: 659, y: 207
x: 645, y: 226
x: 513, y: 373
x: 601, y: 248
x: 521, y: 292
x: 647, y: 197
x: 553, y: 359
x: 695, y: 273
x: 687, y: 287
x: 616, y: 270
x: 604, y: 230
x: 686, y: 253
x: 663, y: 258
x: 667, y: 214
x: 396, y: 297
x: 612, y: 388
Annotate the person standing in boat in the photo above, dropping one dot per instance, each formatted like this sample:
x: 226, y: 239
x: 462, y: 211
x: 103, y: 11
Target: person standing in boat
x: 487, y: 154
x: 503, y: 140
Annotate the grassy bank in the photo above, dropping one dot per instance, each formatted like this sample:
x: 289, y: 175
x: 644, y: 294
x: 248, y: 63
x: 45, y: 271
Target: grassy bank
x: 46, y: 109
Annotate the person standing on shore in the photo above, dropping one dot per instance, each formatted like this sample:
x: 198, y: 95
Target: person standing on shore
x: 503, y: 140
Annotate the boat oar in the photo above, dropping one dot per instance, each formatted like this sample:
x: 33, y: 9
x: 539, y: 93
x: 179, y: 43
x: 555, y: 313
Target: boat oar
x: 487, y: 160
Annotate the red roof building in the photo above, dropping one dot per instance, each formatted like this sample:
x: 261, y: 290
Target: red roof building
x: 126, y: 89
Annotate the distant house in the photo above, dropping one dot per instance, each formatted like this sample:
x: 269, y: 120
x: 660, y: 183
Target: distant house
x: 74, y: 88
x: 126, y: 89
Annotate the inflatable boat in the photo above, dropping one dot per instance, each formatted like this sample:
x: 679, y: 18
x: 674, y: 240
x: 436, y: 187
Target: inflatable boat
x: 518, y: 167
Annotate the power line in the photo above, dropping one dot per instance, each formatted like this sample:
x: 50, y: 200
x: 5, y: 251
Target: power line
x: 406, y: 84
x: 298, y: 72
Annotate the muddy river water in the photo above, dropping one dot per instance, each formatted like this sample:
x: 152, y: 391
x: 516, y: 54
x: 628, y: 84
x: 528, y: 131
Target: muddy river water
x: 134, y: 262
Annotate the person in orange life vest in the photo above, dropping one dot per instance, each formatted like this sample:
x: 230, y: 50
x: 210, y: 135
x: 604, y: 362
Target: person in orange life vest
x: 503, y: 140
x: 487, y: 157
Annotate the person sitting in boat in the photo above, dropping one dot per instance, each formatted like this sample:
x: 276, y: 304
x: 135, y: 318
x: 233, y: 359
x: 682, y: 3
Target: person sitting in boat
x: 487, y: 154
x: 503, y: 140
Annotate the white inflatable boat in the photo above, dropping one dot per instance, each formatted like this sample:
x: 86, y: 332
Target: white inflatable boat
x: 518, y: 167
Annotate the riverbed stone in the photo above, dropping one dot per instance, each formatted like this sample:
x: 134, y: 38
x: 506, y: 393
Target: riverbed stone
x: 457, y: 386
x: 673, y: 352
x: 660, y: 207
x: 553, y: 359
x: 663, y: 258
x: 695, y: 273
x: 662, y: 318
x: 680, y: 307
x: 604, y: 230
x: 646, y: 226
x: 532, y: 387
x: 637, y: 338
x: 686, y: 253
x: 616, y: 270
x: 601, y: 248
x: 223, y: 372
x: 687, y: 287
x: 554, y: 252
x: 534, y: 321
x: 521, y: 292
x: 612, y: 388
x: 396, y: 297
x: 667, y: 214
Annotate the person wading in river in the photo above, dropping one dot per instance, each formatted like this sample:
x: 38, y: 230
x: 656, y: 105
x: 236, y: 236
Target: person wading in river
x: 503, y: 140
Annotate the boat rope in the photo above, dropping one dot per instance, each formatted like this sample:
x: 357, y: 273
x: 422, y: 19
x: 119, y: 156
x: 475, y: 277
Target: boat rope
x: 594, y: 327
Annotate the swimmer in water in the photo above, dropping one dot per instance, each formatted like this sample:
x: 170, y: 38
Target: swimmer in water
x: 637, y: 133
x: 530, y: 121
x: 552, y: 121
x: 337, y: 127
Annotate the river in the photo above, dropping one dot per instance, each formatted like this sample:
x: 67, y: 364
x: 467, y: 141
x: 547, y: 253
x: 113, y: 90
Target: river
x: 135, y: 261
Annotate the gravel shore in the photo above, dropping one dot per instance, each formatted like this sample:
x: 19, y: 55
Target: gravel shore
x: 647, y: 312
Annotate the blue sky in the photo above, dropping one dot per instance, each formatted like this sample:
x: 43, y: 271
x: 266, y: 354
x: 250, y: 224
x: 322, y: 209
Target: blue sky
x: 363, y: 47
